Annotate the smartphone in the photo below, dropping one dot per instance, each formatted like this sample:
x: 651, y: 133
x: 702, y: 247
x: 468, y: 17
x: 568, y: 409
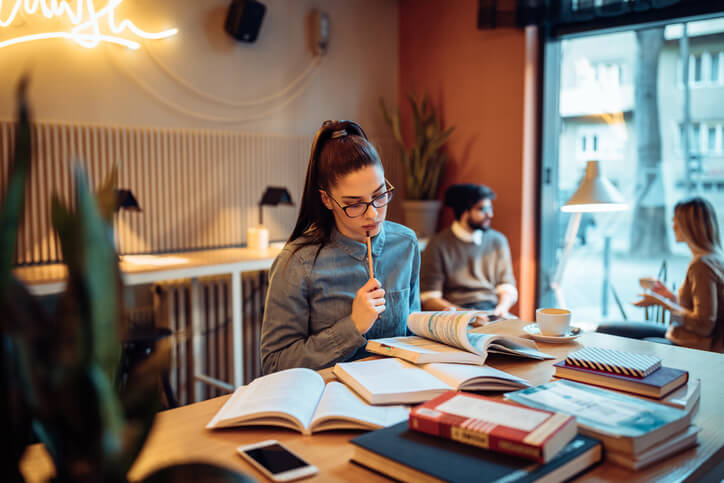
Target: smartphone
x: 275, y: 461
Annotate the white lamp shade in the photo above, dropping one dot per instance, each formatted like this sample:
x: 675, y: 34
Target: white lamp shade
x: 594, y: 194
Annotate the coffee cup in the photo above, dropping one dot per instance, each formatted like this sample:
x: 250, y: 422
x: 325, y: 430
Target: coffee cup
x: 553, y: 321
x: 647, y: 283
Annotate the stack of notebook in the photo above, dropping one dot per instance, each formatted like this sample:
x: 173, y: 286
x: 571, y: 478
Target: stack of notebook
x: 640, y: 374
x: 636, y: 432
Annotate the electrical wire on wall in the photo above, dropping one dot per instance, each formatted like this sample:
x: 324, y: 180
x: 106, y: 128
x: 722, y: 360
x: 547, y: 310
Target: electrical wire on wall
x: 293, y: 90
x: 229, y: 102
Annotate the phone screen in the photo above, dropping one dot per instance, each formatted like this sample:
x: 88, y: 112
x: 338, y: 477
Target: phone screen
x: 275, y: 458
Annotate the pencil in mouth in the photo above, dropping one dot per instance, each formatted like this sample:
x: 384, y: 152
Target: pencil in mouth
x: 369, y: 255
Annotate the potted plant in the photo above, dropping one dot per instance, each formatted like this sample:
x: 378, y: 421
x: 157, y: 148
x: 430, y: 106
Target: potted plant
x: 60, y: 367
x: 423, y: 162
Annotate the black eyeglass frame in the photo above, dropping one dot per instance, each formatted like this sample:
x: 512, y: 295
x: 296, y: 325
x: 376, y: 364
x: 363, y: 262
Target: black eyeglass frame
x: 389, y: 193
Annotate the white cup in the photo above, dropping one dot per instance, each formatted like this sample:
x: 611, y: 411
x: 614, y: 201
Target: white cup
x: 553, y: 321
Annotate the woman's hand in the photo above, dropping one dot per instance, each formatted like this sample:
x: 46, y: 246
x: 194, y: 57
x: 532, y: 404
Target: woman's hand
x: 649, y: 298
x: 660, y: 289
x: 368, y: 304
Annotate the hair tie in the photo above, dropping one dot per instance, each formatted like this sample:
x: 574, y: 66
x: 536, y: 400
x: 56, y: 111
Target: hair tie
x: 339, y: 134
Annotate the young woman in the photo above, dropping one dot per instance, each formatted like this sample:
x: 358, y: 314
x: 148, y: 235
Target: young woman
x: 698, y: 312
x: 323, y: 303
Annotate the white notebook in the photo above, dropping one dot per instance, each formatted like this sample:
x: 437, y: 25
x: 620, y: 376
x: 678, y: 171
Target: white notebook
x: 395, y: 381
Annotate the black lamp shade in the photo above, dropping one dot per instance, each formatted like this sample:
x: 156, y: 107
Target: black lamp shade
x: 273, y: 196
x: 126, y: 200
x: 276, y: 195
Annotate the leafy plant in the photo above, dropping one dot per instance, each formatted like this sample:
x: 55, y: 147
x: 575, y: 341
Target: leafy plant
x: 59, y: 370
x: 424, y: 160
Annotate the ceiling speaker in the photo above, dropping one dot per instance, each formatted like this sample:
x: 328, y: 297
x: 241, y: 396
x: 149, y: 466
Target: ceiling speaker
x: 244, y: 19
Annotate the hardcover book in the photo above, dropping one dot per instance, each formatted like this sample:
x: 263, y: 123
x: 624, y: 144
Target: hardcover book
x: 673, y: 445
x: 394, y: 381
x: 496, y: 425
x: 657, y: 384
x: 298, y: 399
x: 446, y: 337
x: 412, y: 456
x: 624, y: 423
x: 613, y: 361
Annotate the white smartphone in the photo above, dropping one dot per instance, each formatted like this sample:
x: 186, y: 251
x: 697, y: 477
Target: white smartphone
x: 276, y: 461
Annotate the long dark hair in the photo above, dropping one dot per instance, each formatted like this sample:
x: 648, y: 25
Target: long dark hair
x: 339, y: 148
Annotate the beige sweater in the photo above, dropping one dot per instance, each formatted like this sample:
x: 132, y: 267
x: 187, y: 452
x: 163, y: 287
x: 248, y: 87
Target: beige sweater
x: 701, y: 326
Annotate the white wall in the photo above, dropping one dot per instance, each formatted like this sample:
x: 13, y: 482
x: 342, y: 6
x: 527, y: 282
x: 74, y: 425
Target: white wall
x: 100, y: 86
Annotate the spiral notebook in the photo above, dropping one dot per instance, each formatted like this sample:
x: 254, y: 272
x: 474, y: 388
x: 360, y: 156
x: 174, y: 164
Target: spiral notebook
x: 615, y: 362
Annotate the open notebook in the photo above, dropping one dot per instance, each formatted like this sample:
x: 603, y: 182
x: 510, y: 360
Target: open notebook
x: 298, y: 399
x: 395, y: 381
x: 446, y: 337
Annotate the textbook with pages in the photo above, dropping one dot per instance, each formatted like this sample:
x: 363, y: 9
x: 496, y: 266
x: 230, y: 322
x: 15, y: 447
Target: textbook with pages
x: 299, y: 399
x: 446, y: 337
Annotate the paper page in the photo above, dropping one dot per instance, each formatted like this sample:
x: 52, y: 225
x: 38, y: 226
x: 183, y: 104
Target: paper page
x: 339, y: 402
x: 456, y: 374
x: 391, y: 376
x: 295, y: 392
x: 419, y: 345
x: 503, y: 414
x: 448, y: 327
x: 598, y: 409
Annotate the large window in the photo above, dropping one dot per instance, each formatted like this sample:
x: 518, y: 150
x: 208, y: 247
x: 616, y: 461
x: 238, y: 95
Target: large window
x: 622, y: 99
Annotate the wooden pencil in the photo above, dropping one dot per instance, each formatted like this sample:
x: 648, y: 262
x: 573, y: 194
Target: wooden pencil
x: 369, y: 255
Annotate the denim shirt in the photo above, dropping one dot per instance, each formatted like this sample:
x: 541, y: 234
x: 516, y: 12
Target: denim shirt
x: 307, y: 315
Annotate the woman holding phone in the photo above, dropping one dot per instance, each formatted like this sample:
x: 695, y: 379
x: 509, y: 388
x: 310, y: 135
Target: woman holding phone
x: 325, y: 299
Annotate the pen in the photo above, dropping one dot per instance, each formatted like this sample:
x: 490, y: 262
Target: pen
x: 369, y: 255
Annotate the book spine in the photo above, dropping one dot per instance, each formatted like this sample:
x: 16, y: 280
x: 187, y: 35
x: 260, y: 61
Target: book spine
x: 478, y: 436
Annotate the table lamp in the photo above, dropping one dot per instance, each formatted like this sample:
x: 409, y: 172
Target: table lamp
x: 125, y: 201
x: 257, y: 237
x: 595, y: 194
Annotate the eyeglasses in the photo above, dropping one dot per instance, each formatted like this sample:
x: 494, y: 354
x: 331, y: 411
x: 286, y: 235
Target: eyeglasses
x: 358, y: 209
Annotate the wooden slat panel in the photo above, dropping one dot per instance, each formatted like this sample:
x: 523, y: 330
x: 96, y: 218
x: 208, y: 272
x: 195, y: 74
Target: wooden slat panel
x: 197, y: 189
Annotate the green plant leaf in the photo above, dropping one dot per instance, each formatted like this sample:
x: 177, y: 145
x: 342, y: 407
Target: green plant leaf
x: 14, y: 200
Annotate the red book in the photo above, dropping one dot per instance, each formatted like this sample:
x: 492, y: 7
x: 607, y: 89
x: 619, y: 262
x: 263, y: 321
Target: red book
x: 494, y: 424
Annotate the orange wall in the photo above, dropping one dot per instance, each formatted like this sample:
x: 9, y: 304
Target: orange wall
x: 483, y: 82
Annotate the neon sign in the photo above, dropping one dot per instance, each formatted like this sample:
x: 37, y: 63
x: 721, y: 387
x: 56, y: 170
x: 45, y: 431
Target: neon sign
x: 86, y: 21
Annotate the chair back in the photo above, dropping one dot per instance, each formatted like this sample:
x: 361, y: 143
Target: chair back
x: 657, y: 313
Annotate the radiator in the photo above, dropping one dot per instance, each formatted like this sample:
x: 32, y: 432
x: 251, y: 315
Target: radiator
x: 173, y: 307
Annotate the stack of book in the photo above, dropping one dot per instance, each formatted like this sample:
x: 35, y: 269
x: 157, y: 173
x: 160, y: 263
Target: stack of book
x: 443, y: 438
x: 638, y: 374
x: 635, y: 432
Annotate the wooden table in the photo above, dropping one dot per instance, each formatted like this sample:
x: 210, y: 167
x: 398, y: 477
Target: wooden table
x: 179, y: 434
x: 143, y: 269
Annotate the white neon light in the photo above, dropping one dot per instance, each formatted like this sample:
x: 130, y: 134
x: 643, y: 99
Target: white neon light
x: 86, y: 20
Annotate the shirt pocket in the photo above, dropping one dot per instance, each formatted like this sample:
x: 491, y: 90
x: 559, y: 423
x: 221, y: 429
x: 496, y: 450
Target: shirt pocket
x: 393, y: 322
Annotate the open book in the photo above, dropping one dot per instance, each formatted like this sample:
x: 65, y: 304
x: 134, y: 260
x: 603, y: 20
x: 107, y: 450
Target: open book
x: 446, y: 337
x: 298, y: 399
x: 394, y: 381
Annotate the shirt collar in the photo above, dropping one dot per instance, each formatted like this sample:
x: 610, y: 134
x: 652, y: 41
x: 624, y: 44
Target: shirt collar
x: 358, y: 250
x: 464, y: 235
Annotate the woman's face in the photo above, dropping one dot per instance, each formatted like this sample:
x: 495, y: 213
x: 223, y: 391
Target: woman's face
x: 359, y: 186
x: 677, y: 230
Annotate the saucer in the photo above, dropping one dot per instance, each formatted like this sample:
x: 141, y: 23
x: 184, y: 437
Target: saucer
x: 534, y: 332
